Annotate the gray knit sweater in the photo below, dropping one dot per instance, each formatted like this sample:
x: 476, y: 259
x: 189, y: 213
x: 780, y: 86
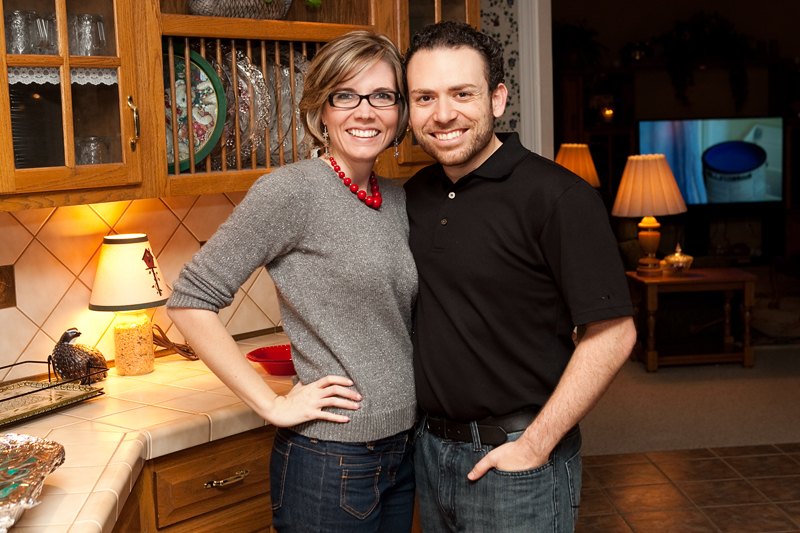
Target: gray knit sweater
x: 346, y: 286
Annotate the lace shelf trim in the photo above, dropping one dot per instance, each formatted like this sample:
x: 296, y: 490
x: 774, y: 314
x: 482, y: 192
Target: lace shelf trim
x: 81, y: 76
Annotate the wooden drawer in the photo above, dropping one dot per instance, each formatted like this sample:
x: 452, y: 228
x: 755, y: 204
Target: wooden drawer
x: 184, y: 485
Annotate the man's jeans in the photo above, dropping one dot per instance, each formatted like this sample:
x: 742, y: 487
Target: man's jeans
x: 322, y: 486
x: 542, y: 500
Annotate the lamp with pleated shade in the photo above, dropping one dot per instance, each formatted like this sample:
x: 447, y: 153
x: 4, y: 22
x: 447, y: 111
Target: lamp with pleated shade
x: 576, y: 157
x: 648, y: 189
x: 128, y: 282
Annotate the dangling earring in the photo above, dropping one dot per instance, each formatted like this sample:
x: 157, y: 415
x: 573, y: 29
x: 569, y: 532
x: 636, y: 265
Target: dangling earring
x: 325, y: 139
x: 396, y: 151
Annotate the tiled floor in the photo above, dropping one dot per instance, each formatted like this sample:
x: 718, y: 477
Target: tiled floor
x: 754, y: 489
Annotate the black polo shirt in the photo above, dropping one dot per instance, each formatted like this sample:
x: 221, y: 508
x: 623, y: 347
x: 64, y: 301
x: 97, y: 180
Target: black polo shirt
x: 510, y: 258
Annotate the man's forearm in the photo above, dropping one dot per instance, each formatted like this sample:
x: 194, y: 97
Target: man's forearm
x: 598, y: 357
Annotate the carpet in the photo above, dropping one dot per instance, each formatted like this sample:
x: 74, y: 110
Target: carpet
x: 699, y: 406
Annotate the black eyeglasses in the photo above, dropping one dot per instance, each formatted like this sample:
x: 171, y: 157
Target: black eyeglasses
x: 377, y: 100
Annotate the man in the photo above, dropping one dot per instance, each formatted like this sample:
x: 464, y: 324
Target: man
x: 513, y: 252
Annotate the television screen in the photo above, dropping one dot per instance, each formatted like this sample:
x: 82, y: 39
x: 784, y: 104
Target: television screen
x: 719, y: 161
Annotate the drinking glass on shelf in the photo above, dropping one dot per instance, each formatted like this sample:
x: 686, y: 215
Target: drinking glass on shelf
x: 87, y: 35
x: 22, y: 36
x: 48, y: 34
x: 92, y: 150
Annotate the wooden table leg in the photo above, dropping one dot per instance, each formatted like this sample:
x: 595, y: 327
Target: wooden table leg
x: 747, y: 304
x: 636, y: 299
x: 728, y: 338
x: 651, y: 354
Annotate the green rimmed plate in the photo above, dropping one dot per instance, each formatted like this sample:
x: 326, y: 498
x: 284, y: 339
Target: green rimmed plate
x: 208, y: 107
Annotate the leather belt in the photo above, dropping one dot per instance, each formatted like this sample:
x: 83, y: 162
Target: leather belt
x: 493, y: 430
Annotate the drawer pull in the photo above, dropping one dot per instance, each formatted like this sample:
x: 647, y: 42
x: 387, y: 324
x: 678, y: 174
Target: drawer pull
x: 231, y: 480
x: 136, y: 126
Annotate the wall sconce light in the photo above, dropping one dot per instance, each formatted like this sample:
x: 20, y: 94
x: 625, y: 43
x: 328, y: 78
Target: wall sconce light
x: 128, y: 281
x: 577, y: 158
x: 648, y: 189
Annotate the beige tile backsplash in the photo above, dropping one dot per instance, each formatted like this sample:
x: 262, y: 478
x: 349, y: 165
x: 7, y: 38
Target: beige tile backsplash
x: 54, y: 253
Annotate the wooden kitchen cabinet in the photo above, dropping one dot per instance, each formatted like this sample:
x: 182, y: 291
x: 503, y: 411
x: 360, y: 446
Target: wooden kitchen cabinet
x: 69, y: 104
x: 40, y: 164
x: 177, y: 493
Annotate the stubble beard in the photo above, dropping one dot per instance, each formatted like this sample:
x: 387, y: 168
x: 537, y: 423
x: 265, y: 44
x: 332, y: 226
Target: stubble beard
x: 483, y: 133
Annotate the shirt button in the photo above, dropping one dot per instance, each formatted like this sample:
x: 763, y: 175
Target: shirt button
x: 444, y: 221
x: 451, y: 195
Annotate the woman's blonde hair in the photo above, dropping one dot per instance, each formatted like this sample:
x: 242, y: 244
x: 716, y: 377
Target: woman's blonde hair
x: 338, y: 61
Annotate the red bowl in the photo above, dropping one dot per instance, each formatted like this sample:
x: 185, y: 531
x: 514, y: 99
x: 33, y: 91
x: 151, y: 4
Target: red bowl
x: 277, y: 360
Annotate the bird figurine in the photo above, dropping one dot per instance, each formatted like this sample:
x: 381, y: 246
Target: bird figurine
x: 73, y: 361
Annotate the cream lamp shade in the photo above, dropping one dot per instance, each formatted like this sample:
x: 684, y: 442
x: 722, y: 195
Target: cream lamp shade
x: 128, y: 277
x: 128, y: 281
x: 577, y: 158
x: 648, y: 189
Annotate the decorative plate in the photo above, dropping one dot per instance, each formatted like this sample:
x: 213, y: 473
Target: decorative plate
x: 208, y: 104
x: 254, y: 108
x: 282, y: 136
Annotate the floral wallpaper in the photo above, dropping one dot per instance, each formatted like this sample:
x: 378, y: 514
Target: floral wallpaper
x: 499, y: 21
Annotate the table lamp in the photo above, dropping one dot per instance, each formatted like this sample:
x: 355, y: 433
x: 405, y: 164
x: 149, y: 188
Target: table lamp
x: 648, y: 189
x: 576, y: 157
x: 128, y: 281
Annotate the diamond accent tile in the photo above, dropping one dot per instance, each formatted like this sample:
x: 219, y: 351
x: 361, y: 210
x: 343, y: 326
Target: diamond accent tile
x: 179, y: 250
x: 17, y: 332
x: 111, y: 212
x: 265, y: 296
x: 33, y: 218
x: 73, y: 311
x: 41, y: 282
x: 150, y: 217
x: 207, y: 214
x: 73, y: 234
x: 14, y: 239
x: 180, y: 205
x: 248, y: 317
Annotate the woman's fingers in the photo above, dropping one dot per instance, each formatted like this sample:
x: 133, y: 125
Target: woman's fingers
x: 336, y: 390
x: 308, y: 402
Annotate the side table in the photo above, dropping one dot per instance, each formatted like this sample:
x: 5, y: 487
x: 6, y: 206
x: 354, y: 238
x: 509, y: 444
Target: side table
x: 728, y: 280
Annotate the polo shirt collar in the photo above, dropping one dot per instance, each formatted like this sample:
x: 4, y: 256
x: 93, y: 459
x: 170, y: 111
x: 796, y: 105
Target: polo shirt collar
x: 504, y: 159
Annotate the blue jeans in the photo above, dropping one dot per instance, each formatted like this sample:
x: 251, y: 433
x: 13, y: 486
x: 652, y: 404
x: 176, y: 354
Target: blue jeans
x: 324, y: 486
x: 542, y: 500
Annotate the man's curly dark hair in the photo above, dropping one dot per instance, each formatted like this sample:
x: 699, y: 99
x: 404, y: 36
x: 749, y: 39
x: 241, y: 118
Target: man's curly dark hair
x: 453, y: 34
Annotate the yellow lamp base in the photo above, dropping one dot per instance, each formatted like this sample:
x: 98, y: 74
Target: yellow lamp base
x: 649, y: 237
x: 133, y: 345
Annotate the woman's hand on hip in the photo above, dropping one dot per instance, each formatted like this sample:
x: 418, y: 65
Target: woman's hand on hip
x: 307, y: 402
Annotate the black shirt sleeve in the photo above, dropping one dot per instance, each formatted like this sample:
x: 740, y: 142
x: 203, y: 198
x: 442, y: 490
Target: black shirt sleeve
x: 583, y: 256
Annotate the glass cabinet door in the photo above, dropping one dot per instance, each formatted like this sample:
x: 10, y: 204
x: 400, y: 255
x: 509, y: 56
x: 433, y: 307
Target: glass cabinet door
x: 71, y: 96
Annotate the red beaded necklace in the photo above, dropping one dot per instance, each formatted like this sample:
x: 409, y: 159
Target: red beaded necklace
x: 373, y: 201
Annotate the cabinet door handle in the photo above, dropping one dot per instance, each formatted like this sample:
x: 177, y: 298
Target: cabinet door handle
x: 136, y: 129
x: 229, y: 481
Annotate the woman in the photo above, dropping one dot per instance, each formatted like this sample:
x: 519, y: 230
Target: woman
x: 334, y: 240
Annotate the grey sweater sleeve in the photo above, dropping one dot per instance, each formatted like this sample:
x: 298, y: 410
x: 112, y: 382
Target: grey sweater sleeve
x: 267, y: 224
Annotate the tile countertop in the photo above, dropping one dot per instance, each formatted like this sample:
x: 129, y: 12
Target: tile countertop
x: 107, y: 439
